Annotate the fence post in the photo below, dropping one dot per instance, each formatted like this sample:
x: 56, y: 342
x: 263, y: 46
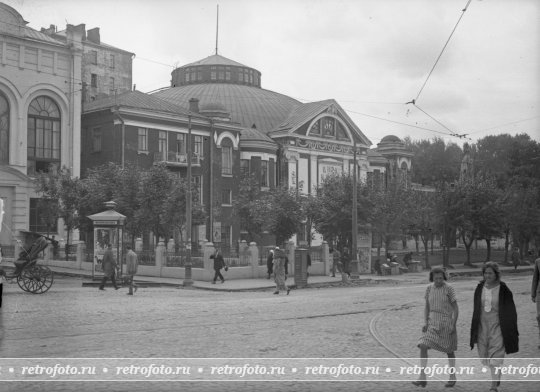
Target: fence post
x: 325, y: 256
x: 209, y: 250
x: 138, y: 244
x: 81, y: 252
x: 160, y: 255
x: 290, y: 247
x: 253, y: 253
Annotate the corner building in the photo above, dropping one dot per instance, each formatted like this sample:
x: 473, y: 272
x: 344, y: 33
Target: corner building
x: 40, y: 114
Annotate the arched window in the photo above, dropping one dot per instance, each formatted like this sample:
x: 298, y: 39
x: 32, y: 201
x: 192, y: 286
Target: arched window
x: 4, y: 130
x: 43, y: 135
x: 226, y: 157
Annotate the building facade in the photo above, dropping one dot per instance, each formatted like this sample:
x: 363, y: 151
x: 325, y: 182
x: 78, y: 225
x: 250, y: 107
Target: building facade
x: 40, y: 114
x: 106, y: 70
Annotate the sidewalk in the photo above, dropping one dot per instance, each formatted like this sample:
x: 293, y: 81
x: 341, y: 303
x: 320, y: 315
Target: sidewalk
x: 267, y: 284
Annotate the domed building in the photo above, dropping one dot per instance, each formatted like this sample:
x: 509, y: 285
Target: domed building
x: 240, y: 129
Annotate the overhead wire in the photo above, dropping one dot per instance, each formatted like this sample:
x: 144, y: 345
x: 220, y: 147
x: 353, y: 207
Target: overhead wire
x: 442, y: 51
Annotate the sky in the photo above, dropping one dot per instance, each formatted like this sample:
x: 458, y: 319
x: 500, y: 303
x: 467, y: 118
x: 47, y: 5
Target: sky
x: 371, y: 56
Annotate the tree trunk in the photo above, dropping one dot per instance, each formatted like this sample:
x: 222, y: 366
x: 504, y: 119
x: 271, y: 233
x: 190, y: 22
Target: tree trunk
x: 506, y: 244
x: 488, y: 247
x: 426, y: 253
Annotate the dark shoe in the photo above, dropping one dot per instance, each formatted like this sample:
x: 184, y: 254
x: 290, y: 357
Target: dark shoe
x: 450, y: 383
x: 213, y: 282
x: 333, y: 276
x: 288, y: 290
x: 420, y: 383
x: 223, y: 281
x: 498, y: 383
x: 101, y: 288
x: 276, y: 292
x: 129, y: 293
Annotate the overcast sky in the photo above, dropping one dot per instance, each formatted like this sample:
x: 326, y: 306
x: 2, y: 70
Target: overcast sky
x: 370, y: 56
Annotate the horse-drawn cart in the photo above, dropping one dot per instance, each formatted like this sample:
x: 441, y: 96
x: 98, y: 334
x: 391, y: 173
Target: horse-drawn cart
x: 30, y: 276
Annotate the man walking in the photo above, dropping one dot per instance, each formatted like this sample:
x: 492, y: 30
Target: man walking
x: 336, y: 261
x: 131, y: 269
x: 109, y: 268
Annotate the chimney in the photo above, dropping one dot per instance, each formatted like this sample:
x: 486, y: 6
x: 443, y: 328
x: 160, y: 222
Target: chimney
x: 92, y: 35
x: 50, y: 30
x: 194, y: 105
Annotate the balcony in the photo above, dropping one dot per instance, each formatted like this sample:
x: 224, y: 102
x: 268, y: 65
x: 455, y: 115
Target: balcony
x: 176, y: 159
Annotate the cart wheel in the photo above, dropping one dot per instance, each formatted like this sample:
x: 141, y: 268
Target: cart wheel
x: 36, y: 279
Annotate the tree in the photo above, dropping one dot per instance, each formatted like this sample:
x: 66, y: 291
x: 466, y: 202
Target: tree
x: 434, y: 160
x: 63, y: 191
x: 390, y: 209
x: 331, y: 209
x: 423, y: 219
x: 252, y: 219
x: 283, y: 212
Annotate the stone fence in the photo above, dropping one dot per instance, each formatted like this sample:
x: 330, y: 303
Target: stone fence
x: 246, y: 266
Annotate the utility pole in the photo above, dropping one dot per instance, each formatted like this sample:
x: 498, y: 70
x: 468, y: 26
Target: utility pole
x: 354, y: 250
x: 188, y: 281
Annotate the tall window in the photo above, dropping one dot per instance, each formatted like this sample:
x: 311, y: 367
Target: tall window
x: 112, y: 61
x: 244, y: 167
x: 264, y: 174
x: 143, y: 139
x: 226, y: 197
x: 93, y: 57
x: 180, y: 143
x: 43, y: 147
x: 162, y: 143
x: 213, y: 73
x: 197, y: 184
x: 96, y: 139
x: 198, y: 145
x: 4, y: 130
x: 226, y: 160
x: 93, y: 80
x: 111, y: 86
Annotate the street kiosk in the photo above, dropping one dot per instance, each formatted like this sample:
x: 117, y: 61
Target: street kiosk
x: 108, y: 229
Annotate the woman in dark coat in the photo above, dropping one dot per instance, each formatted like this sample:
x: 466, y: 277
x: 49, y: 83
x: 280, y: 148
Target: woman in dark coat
x: 494, y: 323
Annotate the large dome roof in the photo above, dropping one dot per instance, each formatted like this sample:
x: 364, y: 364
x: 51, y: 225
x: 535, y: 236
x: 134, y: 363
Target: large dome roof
x: 248, y: 105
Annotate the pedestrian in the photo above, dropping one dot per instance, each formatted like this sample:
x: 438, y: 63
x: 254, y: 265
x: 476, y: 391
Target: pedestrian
x: 346, y: 261
x: 279, y: 271
x: 494, y: 322
x: 109, y: 268
x: 132, y: 264
x: 270, y: 263
x: 377, y: 267
x: 336, y: 261
x: 535, y: 293
x: 219, y: 263
x: 516, y: 258
x: 407, y: 259
x: 439, y: 331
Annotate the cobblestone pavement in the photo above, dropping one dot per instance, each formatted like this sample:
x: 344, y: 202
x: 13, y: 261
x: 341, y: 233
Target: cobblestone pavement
x: 72, y: 321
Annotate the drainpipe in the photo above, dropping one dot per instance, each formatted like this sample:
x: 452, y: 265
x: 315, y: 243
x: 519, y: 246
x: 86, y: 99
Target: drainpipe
x: 211, y: 187
x: 123, y: 147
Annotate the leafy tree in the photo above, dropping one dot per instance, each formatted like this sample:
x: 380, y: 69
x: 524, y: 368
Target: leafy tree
x: 60, y: 189
x: 331, y: 209
x: 390, y: 210
x: 434, y: 160
x: 283, y: 212
x: 423, y: 219
x: 252, y: 219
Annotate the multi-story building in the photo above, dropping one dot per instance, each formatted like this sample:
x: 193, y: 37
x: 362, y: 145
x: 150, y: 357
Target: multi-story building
x: 40, y: 114
x: 106, y: 70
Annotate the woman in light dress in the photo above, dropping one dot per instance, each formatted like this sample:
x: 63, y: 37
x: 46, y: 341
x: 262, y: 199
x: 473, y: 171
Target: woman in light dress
x: 439, y: 331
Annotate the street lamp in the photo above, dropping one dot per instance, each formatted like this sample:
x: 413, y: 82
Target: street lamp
x: 354, y: 253
x: 188, y: 281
